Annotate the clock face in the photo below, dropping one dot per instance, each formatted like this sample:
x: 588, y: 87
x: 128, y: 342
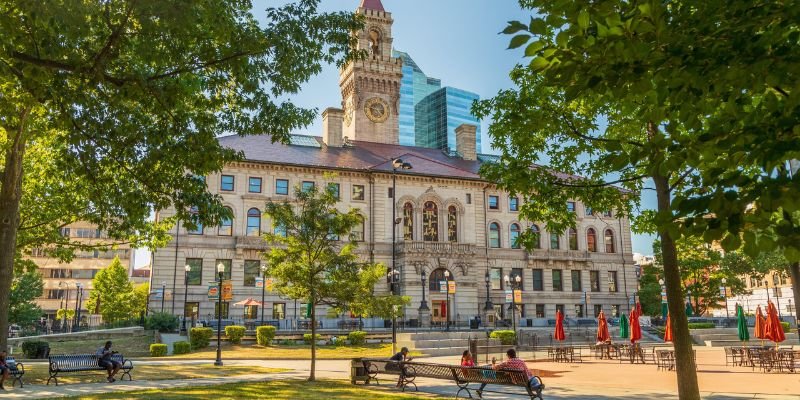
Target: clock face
x: 348, y: 112
x: 377, y: 109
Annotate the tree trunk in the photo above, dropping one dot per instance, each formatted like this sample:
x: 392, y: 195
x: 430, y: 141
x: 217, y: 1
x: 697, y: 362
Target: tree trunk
x: 10, y: 196
x: 794, y: 269
x: 312, y: 375
x: 688, y: 388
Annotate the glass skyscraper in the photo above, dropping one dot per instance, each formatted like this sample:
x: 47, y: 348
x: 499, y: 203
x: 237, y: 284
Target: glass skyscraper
x: 430, y: 113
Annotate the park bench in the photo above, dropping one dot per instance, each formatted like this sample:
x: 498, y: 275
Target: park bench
x: 408, y: 371
x: 72, y: 363
x: 16, y: 370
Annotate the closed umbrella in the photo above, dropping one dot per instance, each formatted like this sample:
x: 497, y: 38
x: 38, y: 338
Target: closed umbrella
x: 744, y: 334
x: 624, y: 328
x: 602, y: 328
x: 559, y: 334
x: 773, y: 328
x: 636, y: 329
x: 668, y: 330
x: 758, y: 330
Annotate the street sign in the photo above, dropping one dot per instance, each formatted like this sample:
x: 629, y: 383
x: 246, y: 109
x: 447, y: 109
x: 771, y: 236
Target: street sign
x: 451, y: 287
x: 509, y: 296
x: 213, y: 292
x: 723, y: 292
x: 157, y: 294
x: 663, y: 297
x: 442, y: 286
x: 518, y: 296
x: 227, y: 290
x: 259, y: 282
x: 632, y: 300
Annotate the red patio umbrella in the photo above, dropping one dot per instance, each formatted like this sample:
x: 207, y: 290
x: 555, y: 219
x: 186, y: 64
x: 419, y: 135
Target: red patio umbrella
x: 758, y: 330
x: 248, y: 302
x: 602, y: 328
x: 773, y: 328
x: 636, y: 329
x: 559, y: 334
x: 668, y: 331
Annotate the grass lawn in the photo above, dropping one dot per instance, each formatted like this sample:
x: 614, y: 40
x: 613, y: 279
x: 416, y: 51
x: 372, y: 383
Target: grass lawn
x: 275, y: 390
x: 288, y: 352
x: 38, y: 373
x: 132, y: 346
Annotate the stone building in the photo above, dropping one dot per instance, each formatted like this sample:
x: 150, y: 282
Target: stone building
x: 448, y: 218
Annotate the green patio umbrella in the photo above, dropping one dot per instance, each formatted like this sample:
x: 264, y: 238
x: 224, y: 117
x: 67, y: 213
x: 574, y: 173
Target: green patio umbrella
x: 624, y: 328
x: 744, y: 334
x: 689, y: 312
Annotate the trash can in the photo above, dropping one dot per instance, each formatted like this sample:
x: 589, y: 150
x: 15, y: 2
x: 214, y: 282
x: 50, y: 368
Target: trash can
x: 357, y: 371
x: 473, y: 324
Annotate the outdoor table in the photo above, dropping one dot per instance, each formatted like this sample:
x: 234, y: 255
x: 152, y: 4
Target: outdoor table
x: 605, y: 350
x: 631, y: 352
x: 562, y: 353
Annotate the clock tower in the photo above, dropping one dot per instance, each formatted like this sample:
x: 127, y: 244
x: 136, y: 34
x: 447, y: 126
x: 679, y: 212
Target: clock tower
x: 371, y: 86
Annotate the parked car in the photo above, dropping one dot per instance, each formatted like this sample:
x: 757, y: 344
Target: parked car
x: 14, y: 330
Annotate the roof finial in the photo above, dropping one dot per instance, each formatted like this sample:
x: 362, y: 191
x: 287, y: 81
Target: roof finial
x: 372, y: 5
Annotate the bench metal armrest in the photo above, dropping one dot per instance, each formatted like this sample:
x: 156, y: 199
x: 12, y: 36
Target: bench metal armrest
x: 21, y: 368
x: 127, y: 364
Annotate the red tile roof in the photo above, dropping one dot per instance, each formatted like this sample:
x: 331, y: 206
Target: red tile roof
x: 372, y: 5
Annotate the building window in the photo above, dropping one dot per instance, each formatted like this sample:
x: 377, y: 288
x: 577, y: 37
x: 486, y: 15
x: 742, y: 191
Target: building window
x: 430, y: 222
x: 560, y: 307
x: 225, y: 308
x: 390, y: 193
x: 452, y: 224
x: 333, y: 189
x: 538, y: 279
x: 357, y: 233
x: 191, y: 309
x: 469, y: 198
x: 195, y: 274
x: 252, y: 269
x: 279, y: 230
x: 494, y: 202
x: 591, y: 240
x: 540, y: 311
x: 226, y: 183
x: 279, y: 311
x: 554, y: 241
x: 198, y: 225
x: 307, y: 186
x: 435, y: 279
x: 612, y: 281
x: 282, y: 186
x: 572, y: 235
x: 609, y: 241
x: 536, y: 236
x: 496, y: 278
x: 494, y: 235
x: 571, y: 206
x: 513, y: 236
x: 254, y: 185
x: 589, y: 212
x: 253, y: 222
x: 517, y: 272
x: 579, y: 310
x: 615, y: 310
x: 226, y: 226
x: 251, y: 312
x: 576, y: 281
x: 597, y: 309
x: 607, y: 213
x: 225, y: 275
x: 513, y: 204
x: 594, y: 280
x: 558, y: 283
x: 408, y: 221
x: 358, y: 192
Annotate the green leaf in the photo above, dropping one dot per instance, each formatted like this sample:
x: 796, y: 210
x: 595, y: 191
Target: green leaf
x: 644, y: 9
x: 514, y: 27
x: 583, y: 19
x: 518, y: 41
x: 533, y: 48
x: 538, y: 26
x: 539, y: 63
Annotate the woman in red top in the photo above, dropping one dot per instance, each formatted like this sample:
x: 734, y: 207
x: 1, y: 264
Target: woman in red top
x: 466, y: 359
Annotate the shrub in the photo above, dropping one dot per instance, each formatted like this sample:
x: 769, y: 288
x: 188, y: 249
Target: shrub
x: 200, y: 337
x: 701, y: 325
x: 181, y: 347
x: 357, y: 338
x: 506, y: 337
x: 158, y: 350
x: 307, y: 338
x: 34, y: 348
x: 235, y: 333
x: 162, y: 322
x: 265, y: 334
x: 785, y: 326
x: 337, y: 341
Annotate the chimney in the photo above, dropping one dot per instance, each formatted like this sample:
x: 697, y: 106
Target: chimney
x: 332, y: 126
x: 465, y: 141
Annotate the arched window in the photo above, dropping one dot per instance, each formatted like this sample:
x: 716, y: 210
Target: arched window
x: 555, y: 243
x: 430, y: 222
x: 591, y: 240
x: 226, y: 226
x: 572, y: 235
x: 537, y: 237
x: 452, y: 224
x: 513, y: 236
x: 408, y: 221
x: 494, y: 235
x: 435, y: 279
x: 253, y: 222
x: 609, y: 241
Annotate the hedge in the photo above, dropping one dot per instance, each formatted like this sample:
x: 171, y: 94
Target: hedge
x: 162, y: 322
x: 307, y: 338
x: 235, y: 333
x: 701, y: 325
x: 200, y: 337
x: 182, y: 347
x: 265, y: 335
x: 785, y: 326
x: 31, y: 348
x: 357, y: 337
x: 158, y: 350
x: 506, y: 337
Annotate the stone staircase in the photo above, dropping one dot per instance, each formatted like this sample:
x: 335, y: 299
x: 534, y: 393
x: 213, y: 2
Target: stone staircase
x: 720, y: 337
x: 440, y: 343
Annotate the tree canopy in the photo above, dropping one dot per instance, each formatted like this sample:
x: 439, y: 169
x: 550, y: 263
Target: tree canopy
x: 112, y: 295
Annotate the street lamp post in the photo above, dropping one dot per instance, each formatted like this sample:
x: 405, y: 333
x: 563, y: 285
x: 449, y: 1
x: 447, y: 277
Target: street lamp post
x: 397, y: 163
x: 514, y: 284
x: 220, y: 274
x: 393, y: 277
x: 263, y: 289
x: 725, y: 289
x: 163, y: 294
x: 186, y: 270
x: 77, y: 306
x: 663, y: 288
x: 447, y: 295
x: 423, y: 306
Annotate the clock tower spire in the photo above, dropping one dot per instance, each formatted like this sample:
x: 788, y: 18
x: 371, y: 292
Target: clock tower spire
x: 371, y: 86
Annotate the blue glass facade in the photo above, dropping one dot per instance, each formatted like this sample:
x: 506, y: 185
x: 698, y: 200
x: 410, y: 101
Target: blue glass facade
x: 429, y: 113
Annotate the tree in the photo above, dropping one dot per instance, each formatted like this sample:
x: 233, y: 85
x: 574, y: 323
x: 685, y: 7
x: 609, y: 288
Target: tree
x: 312, y: 260
x: 650, y: 290
x: 141, y: 294
x: 112, y: 294
x: 116, y: 99
x: 25, y: 289
x: 689, y: 97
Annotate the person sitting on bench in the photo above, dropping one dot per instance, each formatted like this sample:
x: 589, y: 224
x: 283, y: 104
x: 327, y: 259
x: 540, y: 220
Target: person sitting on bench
x: 4, y: 370
x: 513, y: 363
x: 104, y: 361
x: 400, y: 357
